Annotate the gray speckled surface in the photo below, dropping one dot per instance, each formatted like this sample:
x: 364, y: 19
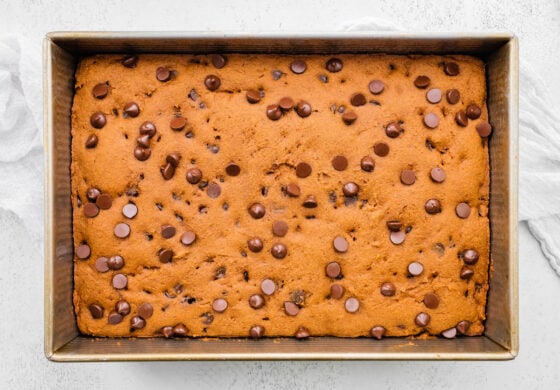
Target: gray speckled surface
x: 22, y: 364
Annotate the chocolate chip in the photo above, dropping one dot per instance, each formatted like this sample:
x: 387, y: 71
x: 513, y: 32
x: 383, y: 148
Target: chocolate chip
x: 167, y: 231
x: 276, y: 74
x: 334, y: 65
x: 180, y: 330
x: 337, y: 291
x: 114, y: 318
x: 449, y: 333
x: 310, y: 202
x: 484, y: 129
x: 256, y: 332
x: 104, y: 201
x: 388, y: 289
x: 163, y: 74
x: 451, y: 68
x: 466, y: 273
x: 376, y: 87
x: 349, y: 117
x: 91, y: 210
x: 397, y: 238
x: 302, y: 333
x: 377, y: 332
x: 432, y: 206
x: 96, y: 311
x: 92, y: 194
x: 98, y: 120
x: 100, y: 91
x: 256, y: 301
x: 122, y: 230
x: 422, y: 319
x: 473, y: 111
x: 367, y: 164
x: 137, y: 322
x: 145, y: 310
x: 142, y: 154
x: 147, y: 128
x: 340, y: 163
x: 422, y: 82
x: 350, y: 189
x: 188, y: 238
x: 463, y: 210
x: 219, y: 61
x: 219, y: 305
x: 165, y: 255
x: 461, y: 118
x: 333, y: 270
x: 293, y: 189
x: 394, y: 226
x: 213, y: 190
x: 101, y: 264
x: 115, y: 262
x: 381, y: 149
x: 324, y: 78
x: 268, y: 287
x: 433, y: 95
x: 303, y: 109
x: 194, y: 175
x: 131, y: 109
x: 393, y: 129
x: 212, y: 82
x: 232, y: 169
x: 122, y: 307
x: 358, y: 99
x: 340, y: 244
x: 279, y: 251
x: 130, y: 210
x: 279, y: 228
x: 415, y: 268
x: 273, y: 112
x: 130, y: 61
x: 91, y: 141
x: 470, y: 256
x: 408, y: 177
x: 453, y: 96
x: 352, y: 305
x: 437, y: 174
x: 253, y: 96
x: 178, y: 123
x: 463, y: 327
x: 173, y: 159
x: 286, y: 103
x: 431, y: 120
x: 291, y: 308
x: 257, y: 210
x: 431, y: 301
x: 143, y: 141
x: 120, y: 281
x: 255, y: 244
x: 298, y: 66
x: 303, y: 170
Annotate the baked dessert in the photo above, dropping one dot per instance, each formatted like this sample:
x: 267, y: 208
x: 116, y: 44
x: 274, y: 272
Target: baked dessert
x: 273, y: 195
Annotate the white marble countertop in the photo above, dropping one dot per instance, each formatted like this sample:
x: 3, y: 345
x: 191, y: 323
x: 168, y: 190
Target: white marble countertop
x: 22, y: 363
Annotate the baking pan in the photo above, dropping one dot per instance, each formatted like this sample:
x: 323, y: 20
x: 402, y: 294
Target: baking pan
x: 63, y: 342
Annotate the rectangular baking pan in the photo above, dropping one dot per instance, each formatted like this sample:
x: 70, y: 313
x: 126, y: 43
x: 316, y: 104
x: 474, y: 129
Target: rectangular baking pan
x: 63, y: 342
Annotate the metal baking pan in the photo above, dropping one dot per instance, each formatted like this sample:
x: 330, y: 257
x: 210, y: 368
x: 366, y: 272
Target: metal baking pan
x: 63, y: 342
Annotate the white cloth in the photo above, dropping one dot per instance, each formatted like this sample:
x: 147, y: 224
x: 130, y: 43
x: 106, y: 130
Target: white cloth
x: 21, y: 152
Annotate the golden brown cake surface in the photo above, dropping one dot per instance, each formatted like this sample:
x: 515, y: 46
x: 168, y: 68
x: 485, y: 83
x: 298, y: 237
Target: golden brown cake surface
x: 369, y: 180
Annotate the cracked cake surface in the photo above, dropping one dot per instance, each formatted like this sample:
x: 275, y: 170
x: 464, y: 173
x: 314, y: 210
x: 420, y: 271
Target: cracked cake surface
x: 259, y: 195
